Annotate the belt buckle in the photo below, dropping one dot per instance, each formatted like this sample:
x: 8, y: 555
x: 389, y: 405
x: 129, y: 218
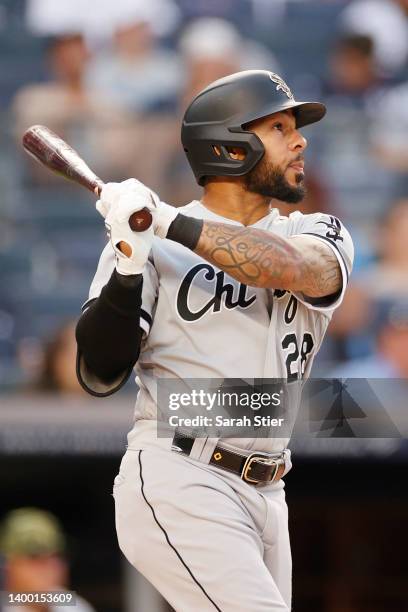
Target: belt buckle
x: 262, y: 458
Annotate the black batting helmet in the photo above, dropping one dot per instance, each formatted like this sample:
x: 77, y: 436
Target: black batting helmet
x: 219, y: 113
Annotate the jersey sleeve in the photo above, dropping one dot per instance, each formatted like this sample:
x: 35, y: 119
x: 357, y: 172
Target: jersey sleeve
x: 331, y: 231
x: 103, y: 273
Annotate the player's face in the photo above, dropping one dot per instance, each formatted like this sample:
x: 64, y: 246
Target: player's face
x: 280, y: 173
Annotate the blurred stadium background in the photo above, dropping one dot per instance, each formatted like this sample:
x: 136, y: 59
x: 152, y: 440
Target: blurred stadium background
x: 113, y: 79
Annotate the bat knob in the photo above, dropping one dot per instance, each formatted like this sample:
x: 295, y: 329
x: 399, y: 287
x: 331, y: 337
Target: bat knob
x: 141, y: 220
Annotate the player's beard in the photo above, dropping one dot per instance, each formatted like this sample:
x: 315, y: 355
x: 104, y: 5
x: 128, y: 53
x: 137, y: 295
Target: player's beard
x: 269, y: 180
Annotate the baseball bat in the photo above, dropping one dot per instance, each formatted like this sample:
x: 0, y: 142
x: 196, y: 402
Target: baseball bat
x: 54, y: 153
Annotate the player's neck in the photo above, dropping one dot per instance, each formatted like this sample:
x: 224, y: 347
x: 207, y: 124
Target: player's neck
x: 232, y: 201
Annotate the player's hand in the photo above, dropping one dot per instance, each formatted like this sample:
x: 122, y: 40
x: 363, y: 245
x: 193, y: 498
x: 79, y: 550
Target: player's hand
x: 143, y: 197
x: 131, y: 248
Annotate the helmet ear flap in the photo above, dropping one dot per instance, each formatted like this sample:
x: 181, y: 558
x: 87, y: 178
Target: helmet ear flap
x: 201, y: 145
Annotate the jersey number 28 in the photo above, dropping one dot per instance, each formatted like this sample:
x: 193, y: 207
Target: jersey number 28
x: 293, y: 372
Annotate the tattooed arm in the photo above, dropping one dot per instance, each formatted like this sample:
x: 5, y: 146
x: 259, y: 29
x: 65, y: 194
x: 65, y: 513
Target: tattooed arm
x: 262, y: 259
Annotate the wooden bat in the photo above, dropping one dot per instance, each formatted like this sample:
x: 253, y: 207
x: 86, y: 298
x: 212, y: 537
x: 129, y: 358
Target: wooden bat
x: 54, y: 153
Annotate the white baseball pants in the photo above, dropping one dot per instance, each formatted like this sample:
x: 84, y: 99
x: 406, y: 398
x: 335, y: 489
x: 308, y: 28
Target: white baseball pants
x: 203, y: 537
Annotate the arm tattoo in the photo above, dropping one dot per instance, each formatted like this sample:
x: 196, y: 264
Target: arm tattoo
x: 321, y: 273
x: 254, y: 257
x: 263, y: 259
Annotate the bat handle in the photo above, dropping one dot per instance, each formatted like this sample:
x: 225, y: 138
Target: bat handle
x: 139, y: 221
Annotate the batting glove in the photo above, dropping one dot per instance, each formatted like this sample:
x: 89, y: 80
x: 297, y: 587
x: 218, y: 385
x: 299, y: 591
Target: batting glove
x: 113, y: 192
x: 139, y: 243
x: 163, y: 214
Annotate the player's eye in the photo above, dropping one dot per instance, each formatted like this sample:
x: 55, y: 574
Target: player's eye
x: 278, y: 126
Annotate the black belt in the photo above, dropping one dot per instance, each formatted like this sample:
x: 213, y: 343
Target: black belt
x: 254, y: 468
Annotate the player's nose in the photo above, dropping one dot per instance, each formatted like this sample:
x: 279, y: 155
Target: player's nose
x: 297, y: 142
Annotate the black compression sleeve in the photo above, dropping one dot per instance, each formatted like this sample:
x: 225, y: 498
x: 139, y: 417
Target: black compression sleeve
x: 185, y: 230
x: 108, y: 332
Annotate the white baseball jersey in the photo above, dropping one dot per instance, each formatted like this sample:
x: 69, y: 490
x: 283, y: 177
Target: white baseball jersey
x: 199, y: 322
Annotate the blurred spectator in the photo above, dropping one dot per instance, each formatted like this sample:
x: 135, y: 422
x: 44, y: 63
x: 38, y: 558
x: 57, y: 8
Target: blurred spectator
x: 386, y: 22
x: 352, y: 331
x: 62, y: 100
x: 84, y: 117
x: 135, y: 71
x: 353, y: 69
x: 390, y: 127
x: 34, y: 549
x: 54, y: 370
x: 59, y: 366
x: 212, y: 48
x: 390, y: 357
x: 388, y: 278
x: 361, y: 185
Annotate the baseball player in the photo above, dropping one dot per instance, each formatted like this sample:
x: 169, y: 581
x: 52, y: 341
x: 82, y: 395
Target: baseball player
x: 224, y: 287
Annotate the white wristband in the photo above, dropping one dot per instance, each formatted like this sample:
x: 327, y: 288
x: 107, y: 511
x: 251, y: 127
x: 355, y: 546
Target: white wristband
x: 164, y: 216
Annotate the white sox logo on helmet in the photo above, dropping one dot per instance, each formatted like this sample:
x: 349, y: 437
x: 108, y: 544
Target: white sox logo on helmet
x: 281, y: 85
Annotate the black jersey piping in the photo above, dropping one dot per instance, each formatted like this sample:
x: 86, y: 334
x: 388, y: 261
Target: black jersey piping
x: 145, y: 315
